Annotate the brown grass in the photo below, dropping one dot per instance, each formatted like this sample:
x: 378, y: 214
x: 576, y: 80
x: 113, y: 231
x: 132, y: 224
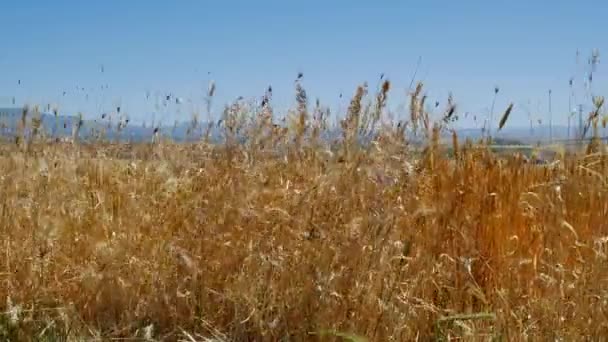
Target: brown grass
x: 290, y: 237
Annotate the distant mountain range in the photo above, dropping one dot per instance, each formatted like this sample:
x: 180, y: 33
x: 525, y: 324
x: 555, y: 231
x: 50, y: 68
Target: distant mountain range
x: 62, y: 126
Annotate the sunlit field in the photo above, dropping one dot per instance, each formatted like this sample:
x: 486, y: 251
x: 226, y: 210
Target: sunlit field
x: 275, y: 232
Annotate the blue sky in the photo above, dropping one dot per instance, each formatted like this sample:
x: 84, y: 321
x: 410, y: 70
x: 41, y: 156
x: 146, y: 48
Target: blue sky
x: 466, y: 47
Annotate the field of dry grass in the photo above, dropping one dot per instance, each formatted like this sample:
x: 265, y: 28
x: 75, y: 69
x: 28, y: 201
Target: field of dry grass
x: 288, y: 237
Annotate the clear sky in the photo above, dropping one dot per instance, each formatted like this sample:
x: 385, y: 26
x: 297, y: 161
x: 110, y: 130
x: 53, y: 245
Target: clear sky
x: 467, y: 47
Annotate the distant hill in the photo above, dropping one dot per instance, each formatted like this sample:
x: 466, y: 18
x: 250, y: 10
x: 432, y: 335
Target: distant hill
x: 11, y: 117
x: 62, y: 126
x: 527, y: 135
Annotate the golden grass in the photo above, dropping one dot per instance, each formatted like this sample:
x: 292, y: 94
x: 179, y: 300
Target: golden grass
x: 287, y: 238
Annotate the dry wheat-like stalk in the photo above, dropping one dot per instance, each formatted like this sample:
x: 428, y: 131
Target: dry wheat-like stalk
x: 505, y: 116
x: 245, y: 239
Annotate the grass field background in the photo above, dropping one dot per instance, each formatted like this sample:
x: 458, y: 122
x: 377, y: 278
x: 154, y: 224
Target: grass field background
x: 290, y: 237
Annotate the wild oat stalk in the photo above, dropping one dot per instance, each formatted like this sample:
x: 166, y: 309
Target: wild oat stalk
x: 598, y: 103
x: 76, y: 129
x: 416, y: 108
x: 491, y: 119
x: 318, y: 119
x: 350, y: 125
x: 455, y: 145
x: 381, y: 99
x: 21, y: 131
x: 449, y: 115
x: 208, y: 101
x: 302, y: 115
x: 505, y: 116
